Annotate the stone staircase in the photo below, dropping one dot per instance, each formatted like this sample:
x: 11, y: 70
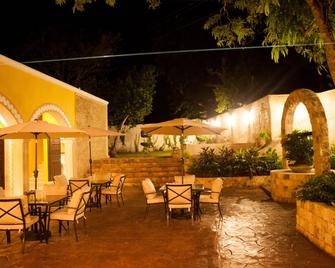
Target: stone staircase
x: 159, y: 169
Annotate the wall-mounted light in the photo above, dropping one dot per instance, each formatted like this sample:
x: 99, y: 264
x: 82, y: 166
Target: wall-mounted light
x: 249, y: 117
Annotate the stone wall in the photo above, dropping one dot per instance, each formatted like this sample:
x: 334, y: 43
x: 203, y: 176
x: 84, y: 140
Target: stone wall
x: 316, y: 221
x: 90, y: 112
x: 284, y: 184
x: 239, y: 182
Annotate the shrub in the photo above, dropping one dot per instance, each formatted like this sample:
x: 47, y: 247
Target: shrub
x: 319, y: 189
x: 227, y: 163
x: 299, y: 147
x: 332, y: 156
x: 206, y: 165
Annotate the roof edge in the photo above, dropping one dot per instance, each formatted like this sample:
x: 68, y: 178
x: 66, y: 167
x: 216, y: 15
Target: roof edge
x: 27, y: 69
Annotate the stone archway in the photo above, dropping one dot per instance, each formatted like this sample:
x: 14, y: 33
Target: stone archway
x: 318, y: 121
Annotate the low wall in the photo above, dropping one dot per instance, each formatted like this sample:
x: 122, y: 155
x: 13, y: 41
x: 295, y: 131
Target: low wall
x: 255, y: 181
x: 316, y: 221
x: 284, y: 184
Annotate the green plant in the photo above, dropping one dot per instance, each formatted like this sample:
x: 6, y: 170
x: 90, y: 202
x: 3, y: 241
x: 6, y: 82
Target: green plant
x: 206, y: 165
x: 319, y: 189
x: 332, y: 156
x: 299, y: 147
x: 272, y: 159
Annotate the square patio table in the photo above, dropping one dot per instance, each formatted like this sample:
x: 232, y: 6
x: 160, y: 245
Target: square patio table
x: 97, y: 186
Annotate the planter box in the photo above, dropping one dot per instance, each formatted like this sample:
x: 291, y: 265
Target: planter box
x: 316, y: 221
x: 284, y: 184
x: 255, y: 181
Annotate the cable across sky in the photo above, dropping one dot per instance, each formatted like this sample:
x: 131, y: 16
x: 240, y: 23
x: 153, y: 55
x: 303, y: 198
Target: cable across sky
x: 151, y: 53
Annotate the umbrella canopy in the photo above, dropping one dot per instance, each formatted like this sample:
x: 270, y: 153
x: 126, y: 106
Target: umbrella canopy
x: 182, y: 127
x: 39, y: 130
x: 97, y: 132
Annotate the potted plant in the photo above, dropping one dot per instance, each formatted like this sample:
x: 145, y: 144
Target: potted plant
x: 299, y: 150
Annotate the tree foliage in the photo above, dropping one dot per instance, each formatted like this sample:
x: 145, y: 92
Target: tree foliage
x: 281, y: 23
x: 131, y: 96
x: 79, y: 5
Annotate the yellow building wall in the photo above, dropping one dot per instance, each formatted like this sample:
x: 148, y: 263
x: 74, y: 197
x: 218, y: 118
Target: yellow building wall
x: 28, y: 92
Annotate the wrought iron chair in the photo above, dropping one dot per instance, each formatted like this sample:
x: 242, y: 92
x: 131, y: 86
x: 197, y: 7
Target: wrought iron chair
x: 152, y: 198
x: 77, y: 184
x: 178, y: 196
x: 74, y: 211
x: 215, y: 194
x: 115, y: 189
x: 15, y: 216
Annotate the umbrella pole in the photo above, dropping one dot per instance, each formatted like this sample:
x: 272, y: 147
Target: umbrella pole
x: 36, y: 170
x: 90, y: 150
x: 182, y: 156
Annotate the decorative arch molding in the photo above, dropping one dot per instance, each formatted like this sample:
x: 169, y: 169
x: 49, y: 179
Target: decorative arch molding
x: 11, y: 108
x: 318, y: 121
x: 51, y: 108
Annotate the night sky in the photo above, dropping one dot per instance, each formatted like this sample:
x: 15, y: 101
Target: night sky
x: 175, y: 25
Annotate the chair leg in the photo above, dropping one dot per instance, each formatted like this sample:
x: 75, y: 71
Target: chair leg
x: 59, y: 227
x: 23, y: 241
x: 117, y: 198
x: 8, y: 236
x: 122, y: 199
x: 75, y: 229
x: 220, y: 210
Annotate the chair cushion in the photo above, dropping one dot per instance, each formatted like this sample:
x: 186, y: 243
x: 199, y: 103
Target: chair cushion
x: 208, y: 199
x: 111, y: 190
x: 149, y: 188
x: 75, y: 199
x: 30, y: 220
x: 63, y: 214
x: 156, y: 200
x: 60, y: 180
x: 216, y: 188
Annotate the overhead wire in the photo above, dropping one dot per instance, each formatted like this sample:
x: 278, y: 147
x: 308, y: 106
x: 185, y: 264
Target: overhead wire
x: 166, y: 52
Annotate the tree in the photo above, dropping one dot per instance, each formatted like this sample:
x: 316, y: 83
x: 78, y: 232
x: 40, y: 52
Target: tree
x: 131, y: 96
x: 282, y: 23
x: 79, y: 5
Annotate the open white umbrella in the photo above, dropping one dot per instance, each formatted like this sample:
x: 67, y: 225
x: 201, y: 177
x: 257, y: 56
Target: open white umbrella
x: 39, y: 130
x: 97, y: 132
x: 182, y: 127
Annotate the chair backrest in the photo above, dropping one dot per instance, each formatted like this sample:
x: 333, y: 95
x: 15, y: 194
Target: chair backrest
x: 216, y: 188
x: 121, y: 183
x: 188, y: 179
x: 179, y: 194
x: 118, y: 182
x: 102, y: 176
x: 11, y: 213
x: 83, y: 202
x: 75, y: 185
x: 148, y: 188
x: 60, y: 180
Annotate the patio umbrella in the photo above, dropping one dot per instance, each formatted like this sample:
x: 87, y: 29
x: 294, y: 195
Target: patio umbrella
x: 39, y: 130
x: 182, y: 127
x: 97, y: 132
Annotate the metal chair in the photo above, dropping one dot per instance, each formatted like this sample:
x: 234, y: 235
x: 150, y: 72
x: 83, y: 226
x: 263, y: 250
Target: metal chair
x: 77, y: 184
x: 214, y: 197
x: 74, y: 211
x: 115, y: 189
x: 152, y: 198
x: 178, y: 196
x: 14, y: 216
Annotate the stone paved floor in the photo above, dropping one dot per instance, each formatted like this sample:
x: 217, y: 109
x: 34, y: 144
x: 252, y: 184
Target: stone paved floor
x: 253, y: 233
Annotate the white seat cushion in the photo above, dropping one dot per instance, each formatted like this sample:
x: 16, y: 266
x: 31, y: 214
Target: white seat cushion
x: 216, y: 188
x: 64, y: 214
x: 30, y: 220
x: 188, y: 179
x: 156, y: 199
x: 149, y: 188
x: 208, y: 199
x: 75, y: 199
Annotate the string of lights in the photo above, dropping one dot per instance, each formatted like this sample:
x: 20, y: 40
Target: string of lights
x: 151, y: 53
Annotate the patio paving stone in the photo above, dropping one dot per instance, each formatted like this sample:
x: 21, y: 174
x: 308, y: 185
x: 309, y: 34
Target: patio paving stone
x: 254, y: 232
